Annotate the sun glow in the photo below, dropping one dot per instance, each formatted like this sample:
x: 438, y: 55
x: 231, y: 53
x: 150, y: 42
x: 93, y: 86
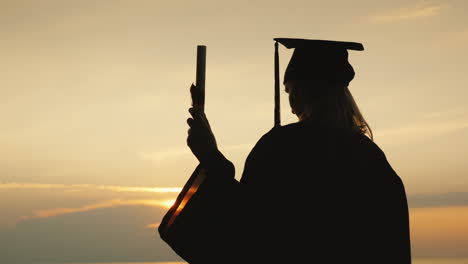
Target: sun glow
x: 167, y: 203
x: 154, y: 225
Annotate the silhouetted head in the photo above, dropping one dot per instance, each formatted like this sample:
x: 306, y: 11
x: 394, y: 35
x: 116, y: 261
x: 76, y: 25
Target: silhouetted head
x: 317, y: 79
x: 328, y: 103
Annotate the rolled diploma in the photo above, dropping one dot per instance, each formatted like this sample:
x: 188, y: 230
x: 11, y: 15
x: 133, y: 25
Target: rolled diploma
x: 199, y: 101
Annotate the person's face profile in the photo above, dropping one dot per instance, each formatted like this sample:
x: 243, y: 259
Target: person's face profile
x: 287, y: 89
x: 294, y: 97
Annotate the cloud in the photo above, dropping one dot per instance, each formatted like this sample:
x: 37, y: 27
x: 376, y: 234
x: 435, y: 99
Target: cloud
x: 106, y: 204
x: 428, y: 125
x: 104, y: 235
x: 438, y: 200
x: 166, y: 154
x: 407, y: 13
x: 421, y: 130
x: 174, y: 153
x: 52, y: 200
x: 79, y: 187
x: 446, y: 113
x: 141, y: 189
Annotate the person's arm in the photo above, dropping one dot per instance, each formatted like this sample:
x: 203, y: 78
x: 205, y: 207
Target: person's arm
x: 217, y: 165
x: 202, y: 142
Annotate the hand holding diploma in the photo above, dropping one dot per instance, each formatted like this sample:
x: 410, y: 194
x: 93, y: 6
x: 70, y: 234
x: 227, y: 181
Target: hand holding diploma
x: 201, y: 139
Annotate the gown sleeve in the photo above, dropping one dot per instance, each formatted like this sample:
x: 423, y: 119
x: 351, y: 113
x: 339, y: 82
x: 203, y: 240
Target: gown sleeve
x: 213, y: 224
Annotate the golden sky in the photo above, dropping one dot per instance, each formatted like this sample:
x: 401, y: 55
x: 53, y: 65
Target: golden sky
x: 94, y: 97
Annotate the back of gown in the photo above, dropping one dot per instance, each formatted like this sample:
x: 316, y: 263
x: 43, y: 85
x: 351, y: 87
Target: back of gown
x: 316, y: 194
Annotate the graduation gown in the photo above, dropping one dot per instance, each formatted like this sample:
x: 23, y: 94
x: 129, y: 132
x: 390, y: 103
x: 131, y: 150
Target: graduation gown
x: 307, y: 194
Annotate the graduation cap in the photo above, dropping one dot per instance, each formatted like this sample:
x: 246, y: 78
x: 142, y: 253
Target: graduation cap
x: 320, y: 61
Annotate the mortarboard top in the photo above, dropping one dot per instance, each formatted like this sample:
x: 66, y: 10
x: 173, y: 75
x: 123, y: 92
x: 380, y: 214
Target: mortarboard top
x: 321, y: 61
x: 315, y: 43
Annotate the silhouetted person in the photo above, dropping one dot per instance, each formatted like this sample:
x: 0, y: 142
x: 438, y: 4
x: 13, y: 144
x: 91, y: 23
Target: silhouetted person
x: 315, y: 191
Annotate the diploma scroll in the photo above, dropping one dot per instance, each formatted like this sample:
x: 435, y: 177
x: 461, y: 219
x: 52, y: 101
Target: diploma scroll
x: 198, y: 96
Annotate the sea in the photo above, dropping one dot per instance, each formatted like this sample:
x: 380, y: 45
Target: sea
x: 440, y: 261
x: 414, y: 261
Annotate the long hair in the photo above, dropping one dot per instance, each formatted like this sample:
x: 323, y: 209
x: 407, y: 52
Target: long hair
x: 328, y: 104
